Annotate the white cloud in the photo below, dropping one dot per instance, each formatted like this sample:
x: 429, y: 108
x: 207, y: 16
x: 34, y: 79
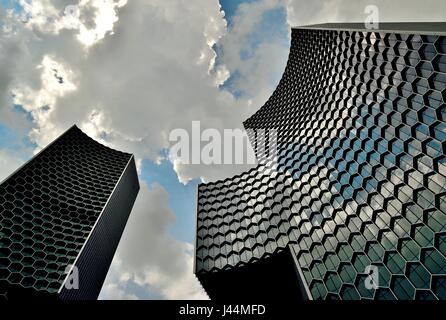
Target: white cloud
x: 56, y: 81
x: 149, y: 258
x: 157, y: 72
x: 158, y: 64
x: 90, y: 19
x: 103, y: 21
x: 259, y: 67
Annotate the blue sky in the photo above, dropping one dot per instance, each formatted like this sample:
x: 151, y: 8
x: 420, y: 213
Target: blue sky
x: 14, y: 141
x: 9, y: 139
x: 10, y: 4
x: 230, y: 8
x: 182, y: 198
x: 271, y: 27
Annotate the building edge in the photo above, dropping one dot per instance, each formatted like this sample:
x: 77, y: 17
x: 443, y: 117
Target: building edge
x: 94, y: 258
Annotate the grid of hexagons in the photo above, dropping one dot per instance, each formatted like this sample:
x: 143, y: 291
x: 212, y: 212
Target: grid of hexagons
x: 49, y: 206
x: 361, y: 176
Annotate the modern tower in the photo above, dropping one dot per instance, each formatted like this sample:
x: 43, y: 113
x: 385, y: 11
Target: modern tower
x: 61, y: 218
x: 354, y: 206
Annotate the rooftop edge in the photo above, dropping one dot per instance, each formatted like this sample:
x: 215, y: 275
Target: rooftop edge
x: 422, y: 28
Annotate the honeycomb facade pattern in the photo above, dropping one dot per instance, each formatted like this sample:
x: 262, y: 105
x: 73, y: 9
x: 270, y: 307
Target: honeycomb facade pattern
x: 360, y: 178
x: 66, y: 207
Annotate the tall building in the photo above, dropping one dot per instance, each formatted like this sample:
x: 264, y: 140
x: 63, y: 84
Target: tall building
x: 61, y: 218
x: 354, y: 206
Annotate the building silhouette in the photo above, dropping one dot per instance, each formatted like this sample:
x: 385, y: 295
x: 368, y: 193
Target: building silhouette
x: 354, y: 206
x: 61, y: 218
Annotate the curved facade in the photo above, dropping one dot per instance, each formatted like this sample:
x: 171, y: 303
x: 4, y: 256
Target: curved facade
x: 359, y: 185
x: 64, y: 209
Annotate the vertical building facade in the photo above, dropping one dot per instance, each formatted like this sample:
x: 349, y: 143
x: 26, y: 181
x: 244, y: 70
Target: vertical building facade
x: 354, y: 206
x: 61, y: 218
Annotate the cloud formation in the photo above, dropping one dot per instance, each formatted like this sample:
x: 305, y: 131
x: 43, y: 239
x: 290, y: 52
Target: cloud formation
x: 150, y: 259
x: 142, y: 68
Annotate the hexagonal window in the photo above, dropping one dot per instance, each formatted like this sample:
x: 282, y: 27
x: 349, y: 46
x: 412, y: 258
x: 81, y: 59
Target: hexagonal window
x: 331, y: 261
x: 333, y: 282
x: 4, y: 262
x: 433, y: 261
x: 439, y: 63
x: 384, y: 275
x: 28, y: 261
x: 365, y: 291
x: 361, y: 261
x: 440, y: 45
x: 424, y: 69
x: 307, y: 275
x: 358, y: 242
x: 317, y: 251
x: 436, y: 220
x: 348, y: 292
x: 418, y: 275
x: 402, y: 288
x: 423, y: 236
x: 439, y: 286
x: 16, y: 267
x: 375, y: 251
x: 439, y: 133
x: 347, y: 272
x: 409, y: 249
x: 318, y: 290
x: 420, y: 85
x: 5, y: 252
x: 28, y: 271
x: 440, y: 242
x: 16, y: 256
x: 15, y: 278
x: 41, y: 284
x: 344, y: 251
x: 433, y: 99
x: 28, y: 282
x: 54, y: 286
x: 427, y: 52
x: 427, y: 115
x: 395, y: 262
